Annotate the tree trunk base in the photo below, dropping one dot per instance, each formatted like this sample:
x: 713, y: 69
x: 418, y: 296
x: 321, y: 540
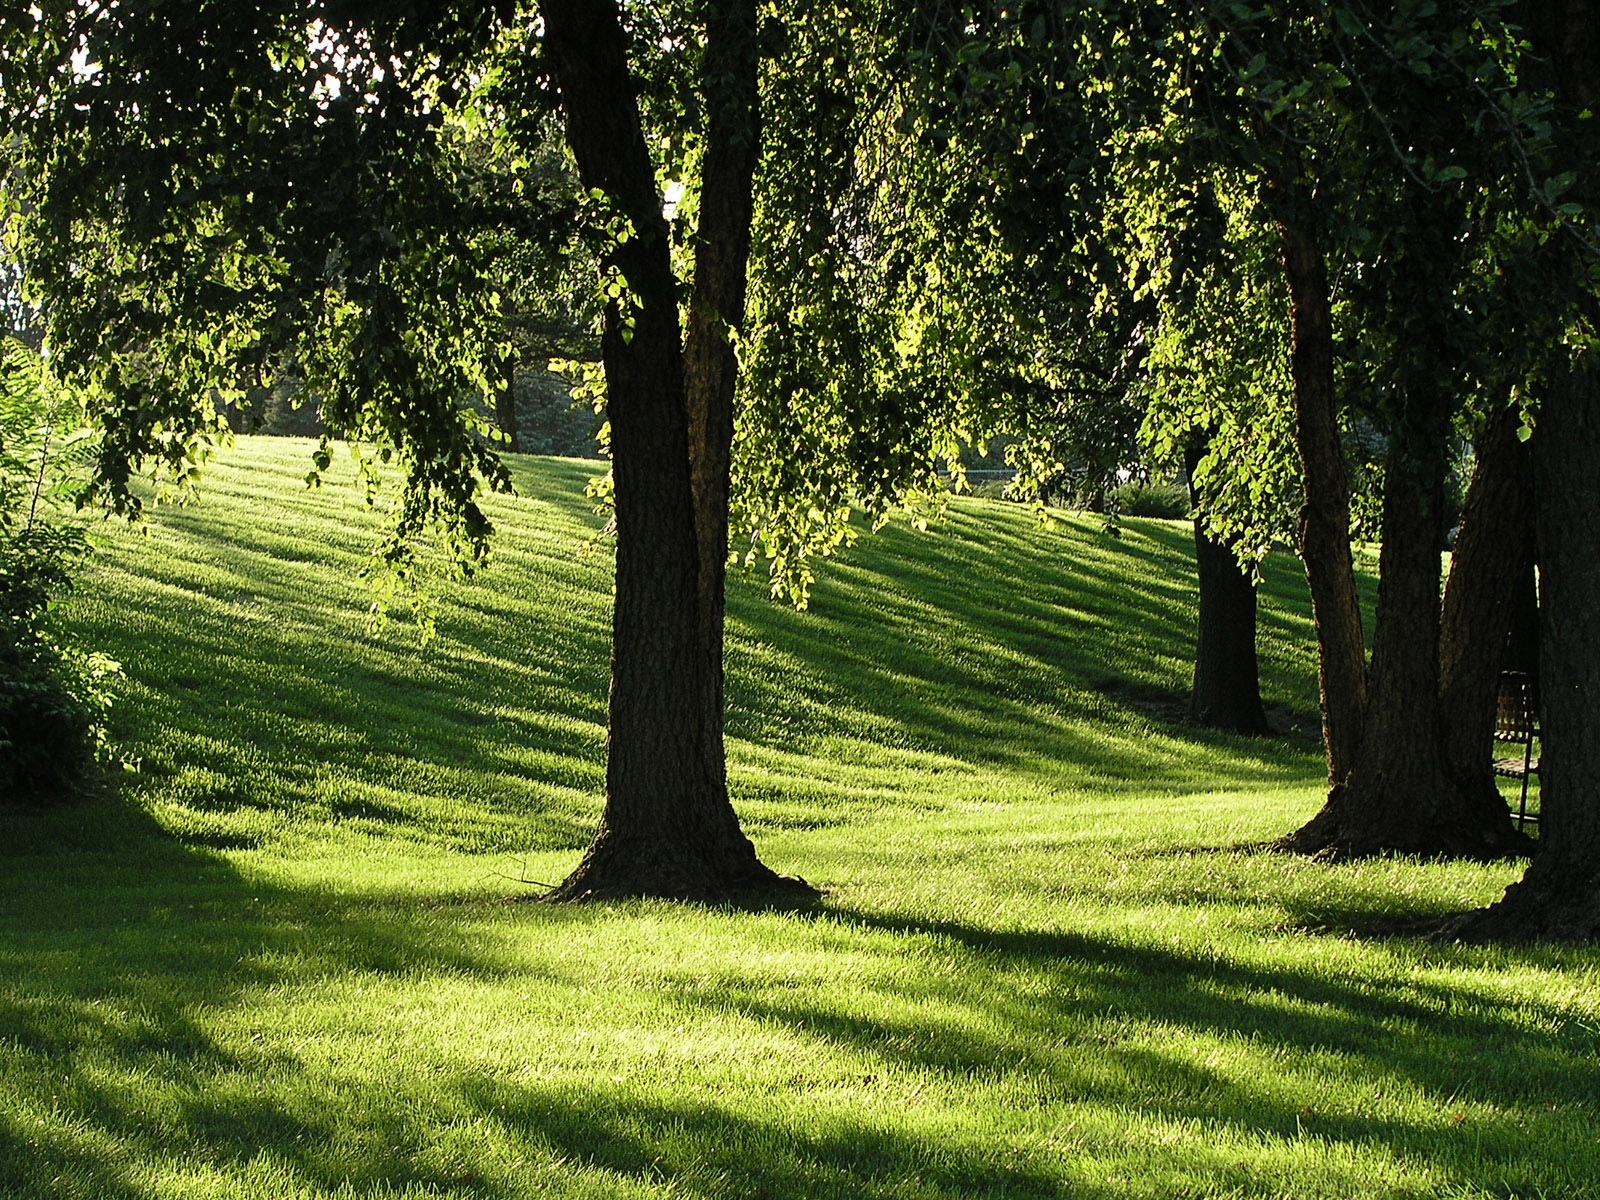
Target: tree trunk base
x: 1383, y: 821
x: 1247, y: 722
x: 1538, y: 908
x: 625, y: 868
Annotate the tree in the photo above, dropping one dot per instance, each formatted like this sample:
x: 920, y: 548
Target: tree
x: 1325, y: 517
x: 1559, y: 897
x: 294, y: 185
x: 1227, y: 687
x: 1343, y: 133
x: 971, y: 274
x: 668, y: 827
x: 1051, y: 290
x: 1352, y: 127
x: 1399, y: 793
x: 1489, y: 589
x: 1217, y: 377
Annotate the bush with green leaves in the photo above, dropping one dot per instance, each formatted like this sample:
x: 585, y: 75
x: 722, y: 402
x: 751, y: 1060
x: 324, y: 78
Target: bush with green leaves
x: 1147, y: 499
x: 54, y: 695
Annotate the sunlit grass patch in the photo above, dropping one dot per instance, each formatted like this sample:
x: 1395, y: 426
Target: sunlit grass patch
x: 289, y: 960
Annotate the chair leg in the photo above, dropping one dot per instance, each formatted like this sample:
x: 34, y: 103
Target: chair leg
x: 1527, y: 770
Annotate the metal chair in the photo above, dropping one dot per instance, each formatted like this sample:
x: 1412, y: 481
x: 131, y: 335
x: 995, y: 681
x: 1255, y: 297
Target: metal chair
x: 1516, y: 727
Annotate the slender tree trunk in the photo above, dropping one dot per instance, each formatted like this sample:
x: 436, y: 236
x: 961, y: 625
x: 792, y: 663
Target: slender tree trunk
x: 716, y: 312
x: 668, y: 828
x: 1325, y: 519
x: 1227, y: 687
x: 505, y: 403
x: 1399, y: 795
x: 1492, y: 557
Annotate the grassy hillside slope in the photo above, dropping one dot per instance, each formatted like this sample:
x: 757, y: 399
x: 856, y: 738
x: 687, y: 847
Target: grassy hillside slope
x: 282, y: 962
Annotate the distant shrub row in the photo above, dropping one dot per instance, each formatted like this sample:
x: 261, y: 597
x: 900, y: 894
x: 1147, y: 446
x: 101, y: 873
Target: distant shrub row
x: 1166, y: 500
x: 548, y: 421
x: 1169, y: 501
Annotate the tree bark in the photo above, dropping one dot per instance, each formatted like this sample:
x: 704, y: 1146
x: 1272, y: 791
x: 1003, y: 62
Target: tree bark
x: 1399, y: 796
x: 1227, y: 686
x: 505, y: 403
x: 1325, y: 518
x: 1493, y: 556
x: 668, y: 828
x: 1559, y: 897
x: 716, y: 311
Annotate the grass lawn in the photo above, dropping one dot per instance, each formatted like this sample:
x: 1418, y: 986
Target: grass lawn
x: 286, y: 961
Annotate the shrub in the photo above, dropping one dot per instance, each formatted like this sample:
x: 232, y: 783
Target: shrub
x: 46, y: 740
x: 53, y: 698
x: 1168, y: 500
x: 992, y: 489
x: 53, y: 695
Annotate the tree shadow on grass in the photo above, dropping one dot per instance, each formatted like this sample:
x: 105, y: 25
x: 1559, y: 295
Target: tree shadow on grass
x: 707, y: 1149
x: 1073, y: 1013
x: 1105, y: 989
x: 120, y: 949
x: 1303, y: 1008
x: 992, y: 645
x: 1004, y: 645
x: 117, y: 942
x: 1367, y: 913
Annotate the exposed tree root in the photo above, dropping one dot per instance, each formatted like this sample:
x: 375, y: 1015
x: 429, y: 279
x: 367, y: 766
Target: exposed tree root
x: 618, y: 868
x: 1538, y: 908
x: 1426, y: 814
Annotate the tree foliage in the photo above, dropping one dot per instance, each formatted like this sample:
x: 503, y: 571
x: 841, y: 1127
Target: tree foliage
x: 291, y: 189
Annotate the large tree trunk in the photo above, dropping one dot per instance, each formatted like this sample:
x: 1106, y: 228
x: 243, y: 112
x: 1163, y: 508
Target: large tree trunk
x: 1399, y: 795
x: 1227, y: 687
x: 1492, y: 559
x: 668, y: 828
x: 1325, y: 519
x: 1559, y: 897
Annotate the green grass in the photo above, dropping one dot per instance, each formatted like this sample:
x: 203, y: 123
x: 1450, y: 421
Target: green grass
x: 282, y: 963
